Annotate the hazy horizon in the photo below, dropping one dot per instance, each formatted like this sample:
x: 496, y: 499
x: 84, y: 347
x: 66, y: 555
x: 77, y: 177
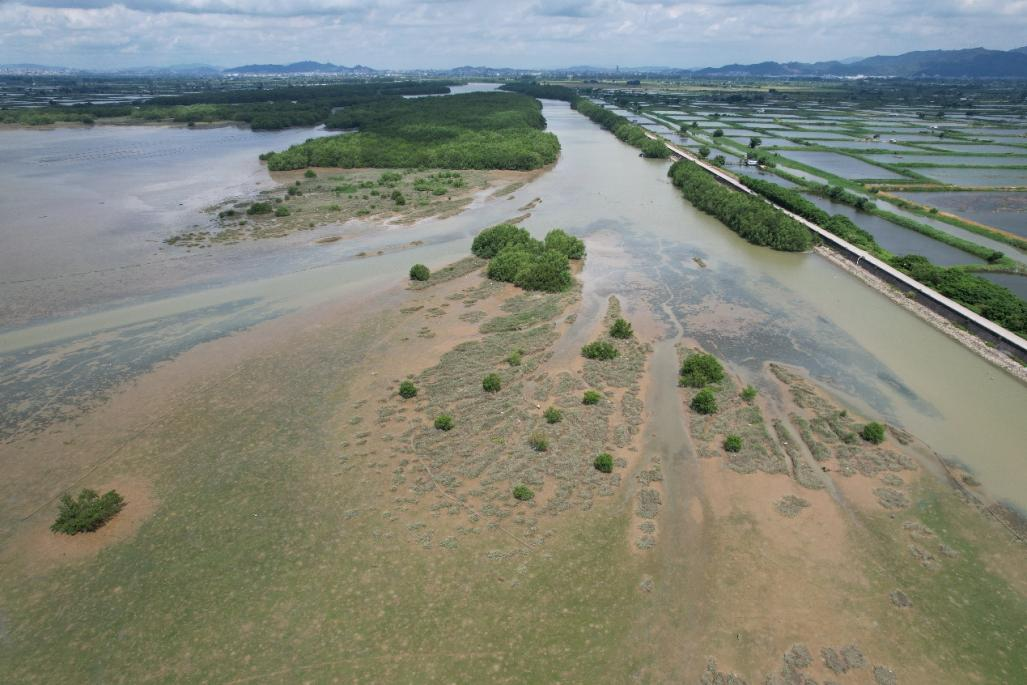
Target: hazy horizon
x: 402, y: 34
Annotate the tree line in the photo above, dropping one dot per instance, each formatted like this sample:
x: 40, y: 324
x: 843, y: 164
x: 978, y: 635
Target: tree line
x: 747, y: 215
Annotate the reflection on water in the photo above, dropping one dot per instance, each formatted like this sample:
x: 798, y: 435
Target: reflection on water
x: 749, y: 305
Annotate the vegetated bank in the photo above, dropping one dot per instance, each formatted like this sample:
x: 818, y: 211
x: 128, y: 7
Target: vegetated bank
x: 467, y: 131
x: 263, y: 109
x: 630, y: 133
x: 747, y: 215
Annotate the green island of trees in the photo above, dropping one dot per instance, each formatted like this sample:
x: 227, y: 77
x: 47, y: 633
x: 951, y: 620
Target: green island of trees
x: 467, y: 131
x: 748, y: 216
x: 516, y: 257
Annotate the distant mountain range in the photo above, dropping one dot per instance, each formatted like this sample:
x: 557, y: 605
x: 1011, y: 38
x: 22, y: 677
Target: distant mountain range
x: 301, y: 68
x: 968, y: 63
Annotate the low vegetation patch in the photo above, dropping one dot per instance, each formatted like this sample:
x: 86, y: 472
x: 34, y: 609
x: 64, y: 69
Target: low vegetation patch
x: 552, y: 415
x: 444, y: 422
x: 419, y: 272
x: 492, y: 383
x: 523, y: 493
x: 603, y: 462
x: 873, y: 432
x: 538, y: 441
x: 621, y: 329
x: 591, y: 397
x: 407, y: 389
x: 87, y: 512
x: 749, y: 393
x: 704, y: 402
x: 599, y: 349
x: 732, y: 443
x: 701, y: 369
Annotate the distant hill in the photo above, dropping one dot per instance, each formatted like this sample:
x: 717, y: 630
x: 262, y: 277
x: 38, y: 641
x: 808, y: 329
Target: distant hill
x: 968, y: 63
x: 306, y: 67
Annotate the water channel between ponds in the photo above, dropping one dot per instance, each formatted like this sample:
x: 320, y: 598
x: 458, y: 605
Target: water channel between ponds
x: 748, y: 305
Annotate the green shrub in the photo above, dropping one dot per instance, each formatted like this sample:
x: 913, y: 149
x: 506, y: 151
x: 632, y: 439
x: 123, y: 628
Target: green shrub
x: 309, y: 173
x: 282, y: 211
x: 492, y: 383
x: 444, y: 422
x: 564, y: 243
x: 621, y: 329
x: 419, y: 272
x: 733, y: 443
x: 548, y: 272
x: 407, y: 389
x: 873, y: 432
x: 600, y: 349
x: 523, y: 493
x: 704, y: 402
x: 538, y: 441
x: 591, y: 397
x: 603, y: 462
x: 515, y: 358
x: 489, y: 242
x: 701, y: 369
x: 508, y: 263
x: 553, y: 415
x: 259, y: 208
x: 749, y: 393
x: 398, y: 198
x: 293, y: 190
x: 87, y: 512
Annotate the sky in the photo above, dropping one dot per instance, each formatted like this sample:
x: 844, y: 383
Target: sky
x: 401, y: 34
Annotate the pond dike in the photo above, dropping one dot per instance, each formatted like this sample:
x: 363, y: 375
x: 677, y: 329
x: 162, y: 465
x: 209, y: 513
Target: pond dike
x: 1002, y: 339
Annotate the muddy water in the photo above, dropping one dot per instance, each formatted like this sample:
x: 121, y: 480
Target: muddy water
x: 748, y: 305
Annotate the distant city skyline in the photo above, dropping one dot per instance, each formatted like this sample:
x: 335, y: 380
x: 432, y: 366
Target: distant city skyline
x: 404, y: 34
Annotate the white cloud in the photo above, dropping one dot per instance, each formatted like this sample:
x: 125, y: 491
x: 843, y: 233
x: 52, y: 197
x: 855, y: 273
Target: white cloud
x: 526, y: 33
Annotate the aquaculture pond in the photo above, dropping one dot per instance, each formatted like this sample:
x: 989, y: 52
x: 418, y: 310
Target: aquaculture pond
x: 977, y: 177
x: 1015, y: 282
x: 840, y: 165
x: 895, y: 238
x: 953, y: 160
x: 1004, y: 210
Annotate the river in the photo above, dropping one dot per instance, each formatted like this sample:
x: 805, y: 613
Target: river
x: 67, y: 350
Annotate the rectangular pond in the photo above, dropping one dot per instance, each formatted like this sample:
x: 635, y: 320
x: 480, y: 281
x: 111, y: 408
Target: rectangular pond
x: 895, y: 238
x: 1015, y: 282
x: 978, y: 177
x: 1007, y: 211
x: 840, y: 165
x: 984, y: 148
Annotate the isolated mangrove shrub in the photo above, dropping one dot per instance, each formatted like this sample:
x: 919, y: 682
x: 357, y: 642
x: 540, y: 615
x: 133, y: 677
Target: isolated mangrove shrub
x: 87, y: 512
x: 732, y: 443
x: 704, y: 402
x: 492, y: 383
x: 749, y: 393
x: 309, y: 173
x: 701, y: 369
x: 591, y: 397
x: 564, y: 243
x: 419, y: 272
x: 621, y: 329
x: 489, y: 242
x: 407, y: 389
x: 282, y: 211
x: 398, y: 198
x: 444, y: 422
x: 538, y: 441
x: 259, y: 208
x: 599, y: 349
x: 515, y: 358
x: 873, y: 432
x: 523, y: 493
x: 553, y: 415
x: 603, y: 462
